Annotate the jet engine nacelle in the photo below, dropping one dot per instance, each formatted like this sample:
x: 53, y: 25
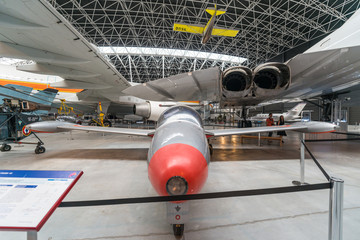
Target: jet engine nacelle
x: 270, y: 78
x: 242, y: 86
x: 150, y: 110
x: 236, y: 82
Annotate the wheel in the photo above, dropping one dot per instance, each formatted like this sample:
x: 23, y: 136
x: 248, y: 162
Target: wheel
x: 39, y: 149
x: 107, y: 124
x: 5, y: 148
x: 92, y: 123
x: 211, y: 149
x: 178, y: 229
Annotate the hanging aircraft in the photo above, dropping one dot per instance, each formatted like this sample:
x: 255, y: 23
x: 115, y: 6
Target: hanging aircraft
x: 179, y: 153
x: 291, y: 115
x: 209, y: 29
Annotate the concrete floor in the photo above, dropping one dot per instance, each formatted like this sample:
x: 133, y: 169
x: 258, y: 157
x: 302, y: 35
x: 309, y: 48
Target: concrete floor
x: 114, y: 167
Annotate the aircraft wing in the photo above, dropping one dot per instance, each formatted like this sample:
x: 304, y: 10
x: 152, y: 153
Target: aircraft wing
x: 126, y: 131
x: 217, y: 31
x: 330, y: 66
x: 240, y: 131
x: 197, y: 85
x: 190, y: 28
x: 34, y: 30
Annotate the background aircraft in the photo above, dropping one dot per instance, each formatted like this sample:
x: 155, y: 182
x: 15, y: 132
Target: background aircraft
x: 329, y: 66
x: 27, y: 84
x: 179, y: 153
x: 209, y: 29
x: 18, y: 107
x: 39, y: 101
x: 290, y: 115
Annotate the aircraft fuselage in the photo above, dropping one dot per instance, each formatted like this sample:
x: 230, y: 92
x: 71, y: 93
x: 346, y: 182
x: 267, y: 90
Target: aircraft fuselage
x: 208, y: 29
x: 179, y: 149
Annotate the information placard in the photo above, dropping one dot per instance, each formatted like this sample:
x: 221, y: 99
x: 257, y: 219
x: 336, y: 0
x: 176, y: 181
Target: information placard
x: 28, y: 198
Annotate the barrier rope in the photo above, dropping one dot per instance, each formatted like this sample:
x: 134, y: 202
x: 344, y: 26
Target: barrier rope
x: 240, y: 193
x: 213, y: 195
x: 316, y: 161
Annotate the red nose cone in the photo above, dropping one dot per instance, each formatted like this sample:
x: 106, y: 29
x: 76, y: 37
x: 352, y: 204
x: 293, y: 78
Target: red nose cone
x: 178, y: 160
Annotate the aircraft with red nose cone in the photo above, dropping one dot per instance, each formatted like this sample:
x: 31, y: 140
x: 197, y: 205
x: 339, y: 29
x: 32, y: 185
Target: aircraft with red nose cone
x: 179, y: 154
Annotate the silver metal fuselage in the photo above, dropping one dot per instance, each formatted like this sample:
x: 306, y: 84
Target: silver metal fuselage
x: 180, y: 124
x: 208, y: 29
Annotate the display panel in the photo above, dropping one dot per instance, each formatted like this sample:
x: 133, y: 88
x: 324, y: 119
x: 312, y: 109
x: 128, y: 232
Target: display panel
x: 28, y: 198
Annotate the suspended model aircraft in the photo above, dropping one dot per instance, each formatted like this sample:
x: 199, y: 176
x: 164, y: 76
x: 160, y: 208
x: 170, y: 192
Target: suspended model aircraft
x: 210, y: 29
x: 290, y: 115
x: 179, y: 153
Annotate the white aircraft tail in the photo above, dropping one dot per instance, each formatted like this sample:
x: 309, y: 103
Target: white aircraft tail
x: 295, y: 111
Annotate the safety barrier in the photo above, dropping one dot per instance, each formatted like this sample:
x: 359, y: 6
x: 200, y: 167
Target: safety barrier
x: 335, y: 185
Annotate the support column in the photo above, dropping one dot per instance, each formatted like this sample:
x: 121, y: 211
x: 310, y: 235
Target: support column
x: 302, y: 159
x: 163, y: 66
x: 336, y: 208
x: 31, y: 235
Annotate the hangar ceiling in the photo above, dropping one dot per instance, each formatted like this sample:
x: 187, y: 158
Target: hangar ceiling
x: 268, y: 28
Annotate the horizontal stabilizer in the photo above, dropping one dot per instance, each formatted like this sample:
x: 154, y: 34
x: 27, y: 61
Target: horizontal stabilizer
x: 197, y: 29
x: 224, y: 32
x: 211, y: 11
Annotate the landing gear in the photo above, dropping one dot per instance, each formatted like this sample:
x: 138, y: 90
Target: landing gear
x: 178, y: 230
x: 5, y: 148
x: 94, y: 122
x: 243, y: 123
x: 39, y: 149
x: 107, y: 124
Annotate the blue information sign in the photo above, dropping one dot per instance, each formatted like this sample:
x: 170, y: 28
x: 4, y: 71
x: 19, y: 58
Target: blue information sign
x: 29, y: 197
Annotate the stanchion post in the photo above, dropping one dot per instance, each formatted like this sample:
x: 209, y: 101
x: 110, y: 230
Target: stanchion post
x: 336, y: 208
x: 31, y: 235
x: 259, y: 140
x: 302, y: 162
x: 302, y: 158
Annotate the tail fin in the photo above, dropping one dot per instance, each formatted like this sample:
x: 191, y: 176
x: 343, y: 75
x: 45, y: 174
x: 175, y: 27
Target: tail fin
x: 295, y: 111
x: 212, y: 11
x: 45, y: 97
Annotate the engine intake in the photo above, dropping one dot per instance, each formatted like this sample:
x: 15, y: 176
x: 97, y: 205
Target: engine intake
x: 237, y: 79
x: 241, y: 86
x: 272, y: 76
x: 236, y: 84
